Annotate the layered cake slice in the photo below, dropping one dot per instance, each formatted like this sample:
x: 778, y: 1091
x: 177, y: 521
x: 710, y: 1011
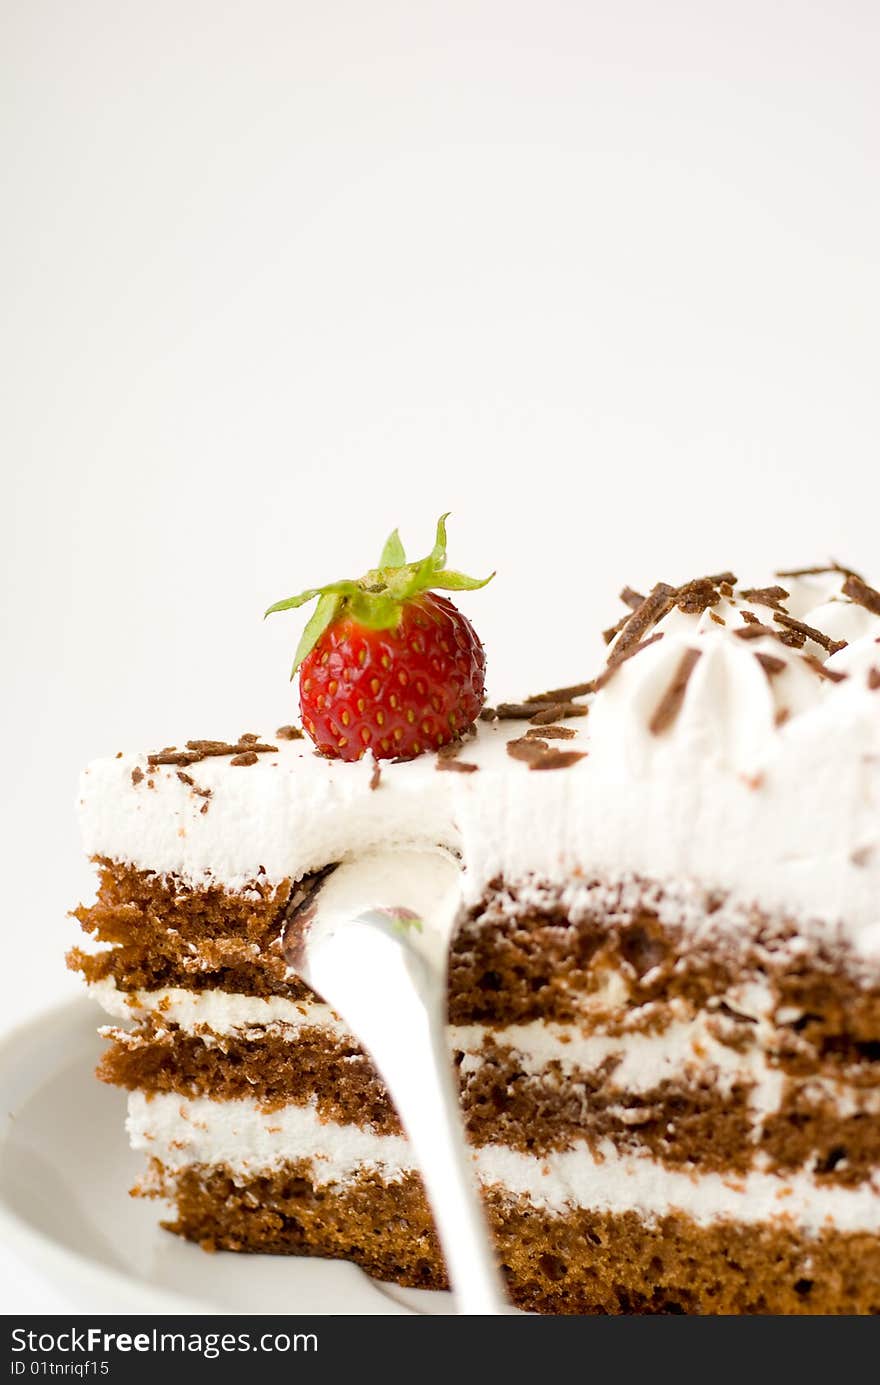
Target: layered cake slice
x: 664, y: 972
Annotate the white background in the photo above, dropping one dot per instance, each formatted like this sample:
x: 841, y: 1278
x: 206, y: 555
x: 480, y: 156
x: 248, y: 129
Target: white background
x: 601, y: 278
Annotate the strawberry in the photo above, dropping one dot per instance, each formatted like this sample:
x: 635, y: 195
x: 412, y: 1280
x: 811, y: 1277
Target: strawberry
x: 386, y: 665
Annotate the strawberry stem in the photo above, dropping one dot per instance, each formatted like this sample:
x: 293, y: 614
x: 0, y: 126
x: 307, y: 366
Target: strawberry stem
x: 376, y: 600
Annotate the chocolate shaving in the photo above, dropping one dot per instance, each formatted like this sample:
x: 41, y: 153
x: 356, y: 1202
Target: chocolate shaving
x: 654, y: 607
x: 670, y: 703
x: 137, y: 775
x: 525, y: 749
x: 614, y: 664
x: 247, y: 757
x: 809, y: 632
x: 200, y: 750
x: 459, y: 766
x: 818, y: 571
x: 858, y: 591
x: 289, y: 733
x: 488, y: 714
x: 518, y: 711
x: 248, y: 738
x: 754, y: 630
x: 537, y: 754
x: 873, y: 679
x: 832, y: 674
x: 553, y: 733
x: 749, y: 618
x: 725, y: 589
x: 558, y: 712
x: 719, y: 620
x: 697, y: 596
x: 558, y: 759
x: 631, y: 598
x: 609, y: 634
x: 771, y: 664
x: 563, y: 694
x: 376, y: 776
x: 766, y: 596
x: 191, y: 783
x: 223, y: 748
x: 175, y: 757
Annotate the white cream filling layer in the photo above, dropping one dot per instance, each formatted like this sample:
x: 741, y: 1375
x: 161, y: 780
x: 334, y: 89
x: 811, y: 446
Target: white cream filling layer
x: 249, y: 1141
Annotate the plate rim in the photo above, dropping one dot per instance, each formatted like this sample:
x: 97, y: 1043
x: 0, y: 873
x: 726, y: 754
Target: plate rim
x: 61, y: 1264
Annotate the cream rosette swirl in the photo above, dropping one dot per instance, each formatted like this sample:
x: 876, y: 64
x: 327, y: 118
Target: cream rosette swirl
x: 713, y: 688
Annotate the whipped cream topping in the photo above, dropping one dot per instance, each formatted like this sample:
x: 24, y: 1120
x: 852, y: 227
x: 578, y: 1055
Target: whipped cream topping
x: 729, y: 761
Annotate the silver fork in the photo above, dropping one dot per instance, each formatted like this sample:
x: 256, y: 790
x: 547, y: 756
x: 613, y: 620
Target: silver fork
x: 383, y: 970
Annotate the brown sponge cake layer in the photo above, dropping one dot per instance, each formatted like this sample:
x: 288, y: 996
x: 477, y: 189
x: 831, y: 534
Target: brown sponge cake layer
x: 164, y: 932
x: 605, y: 951
x: 580, y: 1262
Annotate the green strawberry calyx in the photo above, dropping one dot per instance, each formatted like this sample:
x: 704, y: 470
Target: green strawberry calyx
x: 377, y: 599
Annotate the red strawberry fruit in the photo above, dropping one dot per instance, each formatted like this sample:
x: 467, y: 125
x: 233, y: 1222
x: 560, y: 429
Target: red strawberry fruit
x: 387, y: 666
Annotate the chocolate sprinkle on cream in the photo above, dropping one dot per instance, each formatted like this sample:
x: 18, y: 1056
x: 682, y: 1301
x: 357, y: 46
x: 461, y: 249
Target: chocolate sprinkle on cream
x: 563, y: 694
x: 697, y: 596
x: 654, y: 607
x: 537, y: 754
x: 176, y: 757
x: 809, y: 632
x: 719, y: 620
x: 558, y: 759
x: 754, y: 630
x: 518, y: 711
x: 771, y: 664
x: 818, y: 571
x: 525, y: 749
x: 459, y: 766
x: 614, y: 664
x: 558, y: 712
x: 553, y: 733
x: 137, y: 775
x: 833, y: 675
x: 247, y: 757
x: 670, y: 703
x: 632, y: 599
x: 765, y: 596
x: 858, y: 591
x: 609, y: 634
x: 289, y: 733
x: 200, y: 750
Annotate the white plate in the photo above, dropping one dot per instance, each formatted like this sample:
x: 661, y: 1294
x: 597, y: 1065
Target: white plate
x: 65, y: 1171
